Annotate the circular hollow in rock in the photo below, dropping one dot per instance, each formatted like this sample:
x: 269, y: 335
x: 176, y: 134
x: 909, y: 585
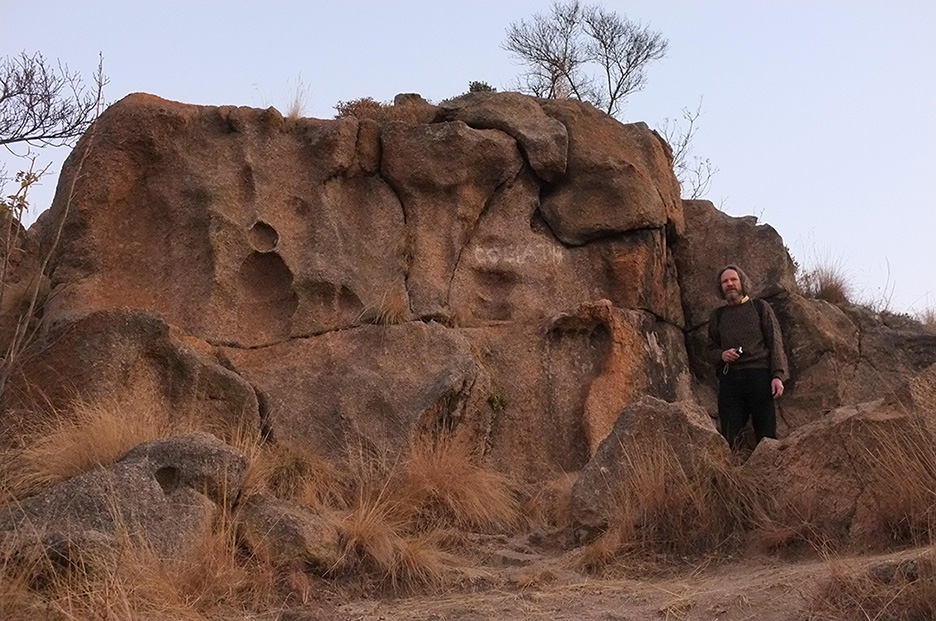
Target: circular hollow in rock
x: 168, y: 478
x: 263, y: 237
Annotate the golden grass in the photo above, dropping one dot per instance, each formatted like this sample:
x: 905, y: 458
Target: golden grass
x: 92, y: 434
x: 404, y: 518
x: 214, y: 580
x: 904, y: 465
x: 446, y: 486
x: 392, y: 309
x: 927, y: 317
x: 897, y: 591
x: 299, y: 100
x: 828, y: 281
x: 292, y: 473
x: 664, y: 512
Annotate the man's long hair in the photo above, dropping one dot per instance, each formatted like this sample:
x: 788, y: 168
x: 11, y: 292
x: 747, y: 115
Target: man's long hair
x: 745, y: 281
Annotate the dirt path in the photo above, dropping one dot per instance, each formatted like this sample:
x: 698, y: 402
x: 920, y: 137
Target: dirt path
x: 759, y: 588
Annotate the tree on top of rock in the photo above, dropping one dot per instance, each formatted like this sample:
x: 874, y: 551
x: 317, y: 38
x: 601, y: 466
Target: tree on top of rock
x: 586, y: 53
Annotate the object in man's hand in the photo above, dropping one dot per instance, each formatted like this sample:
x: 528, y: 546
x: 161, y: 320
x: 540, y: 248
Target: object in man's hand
x: 740, y: 350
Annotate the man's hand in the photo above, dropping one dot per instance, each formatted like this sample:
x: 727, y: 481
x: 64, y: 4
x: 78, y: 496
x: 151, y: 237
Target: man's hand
x: 776, y: 388
x: 730, y: 355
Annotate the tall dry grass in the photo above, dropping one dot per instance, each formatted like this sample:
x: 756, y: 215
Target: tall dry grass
x: 827, y: 280
x: 398, y: 528
x: 216, y: 579
x: 92, y: 433
x: 665, y: 513
x: 897, y: 591
x: 904, y: 467
x: 927, y: 317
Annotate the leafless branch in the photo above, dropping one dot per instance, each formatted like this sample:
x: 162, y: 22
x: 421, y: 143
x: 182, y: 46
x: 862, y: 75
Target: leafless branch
x: 42, y: 104
x: 694, y: 173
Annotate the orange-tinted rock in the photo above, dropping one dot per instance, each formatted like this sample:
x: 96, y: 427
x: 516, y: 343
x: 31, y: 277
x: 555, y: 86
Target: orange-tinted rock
x: 641, y: 427
x: 543, y: 140
x: 128, y: 352
x: 618, y: 178
x: 556, y: 386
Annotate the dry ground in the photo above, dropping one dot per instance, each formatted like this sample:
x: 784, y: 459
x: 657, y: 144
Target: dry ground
x: 756, y: 587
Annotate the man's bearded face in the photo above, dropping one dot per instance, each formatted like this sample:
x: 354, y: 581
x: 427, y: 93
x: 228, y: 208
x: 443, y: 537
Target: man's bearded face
x: 731, y: 286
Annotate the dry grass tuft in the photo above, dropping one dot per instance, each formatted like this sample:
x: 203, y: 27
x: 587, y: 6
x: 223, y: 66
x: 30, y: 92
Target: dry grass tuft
x: 446, y: 486
x: 393, y: 309
x: 292, y: 473
x: 214, y: 580
x: 297, y: 104
x: 928, y: 318
x: 905, y: 464
x: 550, y: 504
x: 664, y: 512
x: 405, y: 518
x: 898, y: 591
x: 377, y: 541
x: 827, y: 281
x: 370, y: 108
x: 92, y: 434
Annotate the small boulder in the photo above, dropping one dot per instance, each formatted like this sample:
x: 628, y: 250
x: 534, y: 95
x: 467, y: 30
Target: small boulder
x: 288, y: 533
x: 163, y: 493
x: 835, y: 479
x: 643, y: 426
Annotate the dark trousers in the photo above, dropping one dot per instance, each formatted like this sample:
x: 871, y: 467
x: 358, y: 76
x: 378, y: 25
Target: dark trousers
x: 744, y: 394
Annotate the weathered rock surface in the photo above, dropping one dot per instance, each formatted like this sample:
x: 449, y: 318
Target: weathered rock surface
x: 163, y: 493
x: 839, y: 477
x: 543, y: 140
x: 618, y: 178
x: 254, y: 252
x: 514, y: 269
x: 643, y: 426
x: 288, y: 533
x: 445, y: 175
x: 128, y: 351
x: 232, y: 223
x: 713, y: 239
x: 373, y: 385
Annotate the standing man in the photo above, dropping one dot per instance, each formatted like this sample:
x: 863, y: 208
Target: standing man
x: 746, y: 346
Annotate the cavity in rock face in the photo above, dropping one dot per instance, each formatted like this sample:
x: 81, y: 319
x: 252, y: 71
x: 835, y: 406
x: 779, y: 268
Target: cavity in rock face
x: 263, y: 237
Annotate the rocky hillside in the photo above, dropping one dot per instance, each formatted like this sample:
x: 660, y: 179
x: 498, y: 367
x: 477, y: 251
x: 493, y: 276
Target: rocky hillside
x: 506, y: 272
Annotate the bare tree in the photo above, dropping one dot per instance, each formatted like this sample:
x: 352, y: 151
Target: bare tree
x: 42, y: 104
x: 694, y: 173
x: 587, y: 53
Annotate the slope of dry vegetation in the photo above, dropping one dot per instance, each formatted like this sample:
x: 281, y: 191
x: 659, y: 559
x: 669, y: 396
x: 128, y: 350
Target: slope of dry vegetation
x: 411, y: 525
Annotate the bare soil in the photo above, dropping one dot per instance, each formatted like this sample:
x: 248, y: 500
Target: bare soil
x: 754, y: 587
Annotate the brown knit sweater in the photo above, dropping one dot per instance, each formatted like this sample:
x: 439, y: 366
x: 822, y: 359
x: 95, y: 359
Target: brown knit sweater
x: 758, y: 333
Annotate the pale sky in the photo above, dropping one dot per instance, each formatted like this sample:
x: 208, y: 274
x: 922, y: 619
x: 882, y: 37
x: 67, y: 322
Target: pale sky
x: 821, y: 116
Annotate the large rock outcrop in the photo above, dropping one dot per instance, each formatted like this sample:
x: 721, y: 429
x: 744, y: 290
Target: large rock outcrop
x: 489, y: 224
x: 361, y: 281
